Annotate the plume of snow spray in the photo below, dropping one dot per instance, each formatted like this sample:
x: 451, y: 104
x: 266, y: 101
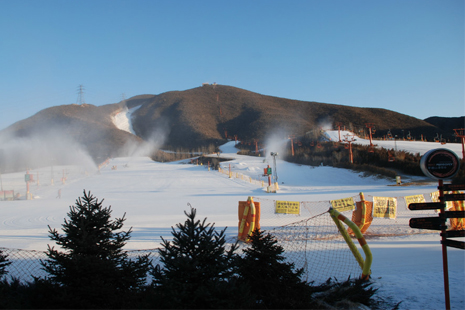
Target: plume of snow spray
x: 41, y: 149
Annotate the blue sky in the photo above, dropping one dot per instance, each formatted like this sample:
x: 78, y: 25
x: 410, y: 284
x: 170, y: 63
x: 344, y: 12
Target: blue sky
x: 405, y: 55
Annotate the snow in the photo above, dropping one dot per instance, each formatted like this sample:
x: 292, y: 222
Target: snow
x: 155, y: 195
x: 122, y: 119
x: 399, y: 144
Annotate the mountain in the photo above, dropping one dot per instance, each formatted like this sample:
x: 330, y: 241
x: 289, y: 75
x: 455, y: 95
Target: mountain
x: 63, y: 134
x: 209, y: 113
x: 448, y: 124
x: 197, y: 117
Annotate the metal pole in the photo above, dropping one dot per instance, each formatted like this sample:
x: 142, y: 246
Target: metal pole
x: 445, y: 266
x: 275, y: 170
x: 350, y: 153
x: 463, y: 148
x: 274, y: 166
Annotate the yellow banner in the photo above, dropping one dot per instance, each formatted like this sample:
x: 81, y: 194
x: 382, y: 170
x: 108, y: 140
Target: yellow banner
x: 414, y: 199
x: 345, y: 204
x: 384, y: 207
x: 435, y: 198
x: 288, y: 207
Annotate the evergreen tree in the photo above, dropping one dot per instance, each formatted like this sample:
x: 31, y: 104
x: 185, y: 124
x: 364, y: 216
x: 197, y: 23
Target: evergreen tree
x: 273, y: 282
x: 94, y: 271
x: 197, y: 271
x: 3, y: 263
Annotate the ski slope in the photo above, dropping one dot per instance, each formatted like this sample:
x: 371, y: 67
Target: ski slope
x: 122, y: 119
x: 399, y: 144
x: 155, y: 195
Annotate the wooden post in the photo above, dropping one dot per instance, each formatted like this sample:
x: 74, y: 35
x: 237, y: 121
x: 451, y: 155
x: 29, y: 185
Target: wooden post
x: 445, y: 266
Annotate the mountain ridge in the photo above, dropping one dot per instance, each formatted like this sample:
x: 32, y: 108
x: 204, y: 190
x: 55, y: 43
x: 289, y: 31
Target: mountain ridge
x: 207, y: 115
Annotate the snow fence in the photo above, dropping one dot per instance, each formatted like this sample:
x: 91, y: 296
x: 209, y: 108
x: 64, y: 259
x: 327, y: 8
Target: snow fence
x: 309, y: 236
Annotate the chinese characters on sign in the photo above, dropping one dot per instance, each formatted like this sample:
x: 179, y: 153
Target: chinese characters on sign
x: 384, y: 207
x: 414, y: 199
x: 345, y: 204
x: 288, y: 207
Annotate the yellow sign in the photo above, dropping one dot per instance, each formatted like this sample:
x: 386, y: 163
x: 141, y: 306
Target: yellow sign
x: 345, y: 204
x: 414, y: 199
x: 288, y: 207
x: 384, y: 207
x: 435, y: 198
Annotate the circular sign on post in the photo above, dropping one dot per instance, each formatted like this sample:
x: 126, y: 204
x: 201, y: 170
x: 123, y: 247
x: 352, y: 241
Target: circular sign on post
x: 440, y: 164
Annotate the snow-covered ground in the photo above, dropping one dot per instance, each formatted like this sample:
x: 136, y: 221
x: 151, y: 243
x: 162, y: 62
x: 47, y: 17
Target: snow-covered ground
x: 122, y: 119
x: 155, y: 195
x: 399, y: 144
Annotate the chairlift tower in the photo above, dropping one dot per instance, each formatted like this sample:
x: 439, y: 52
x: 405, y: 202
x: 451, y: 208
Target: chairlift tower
x: 349, y: 139
x: 460, y: 133
x: 370, y: 126
x: 339, y: 125
x: 292, y: 137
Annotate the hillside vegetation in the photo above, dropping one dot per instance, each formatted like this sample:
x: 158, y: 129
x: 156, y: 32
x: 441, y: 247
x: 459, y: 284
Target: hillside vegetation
x: 199, y: 118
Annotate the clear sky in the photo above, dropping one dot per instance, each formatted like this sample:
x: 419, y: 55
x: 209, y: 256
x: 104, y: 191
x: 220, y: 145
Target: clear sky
x: 402, y: 55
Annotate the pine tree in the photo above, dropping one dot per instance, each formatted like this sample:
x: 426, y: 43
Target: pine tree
x: 3, y: 263
x: 94, y: 271
x: 273, y: 282
x: 197, y: 271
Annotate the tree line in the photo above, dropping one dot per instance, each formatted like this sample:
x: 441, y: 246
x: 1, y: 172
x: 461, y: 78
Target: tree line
x: 197, y: 270
x: 308, y: 151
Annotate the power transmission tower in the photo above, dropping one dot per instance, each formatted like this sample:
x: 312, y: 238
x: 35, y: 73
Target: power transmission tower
x: 80, y: 99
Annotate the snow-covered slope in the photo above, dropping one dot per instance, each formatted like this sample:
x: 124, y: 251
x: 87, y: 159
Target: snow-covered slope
x: 155, y: 195
x: 399, y: 144
x: 122, y: 119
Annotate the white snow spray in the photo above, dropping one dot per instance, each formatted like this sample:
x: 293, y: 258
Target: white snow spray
x: 41, y: 149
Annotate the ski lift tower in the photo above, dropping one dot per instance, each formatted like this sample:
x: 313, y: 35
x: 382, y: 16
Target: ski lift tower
x: 349, y: 139
x: 339, y: 125
x: 460, y: 133
x: 370, y: 126
x: 291, y: 137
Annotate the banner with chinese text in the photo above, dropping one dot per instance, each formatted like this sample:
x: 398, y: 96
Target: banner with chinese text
x: 345, y: 204
x: 414, y: 199
x: 288, y: 207
x: 384, y: 207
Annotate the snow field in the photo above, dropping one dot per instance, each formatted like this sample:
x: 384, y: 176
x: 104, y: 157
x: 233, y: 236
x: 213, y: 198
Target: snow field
x: 154, y: 197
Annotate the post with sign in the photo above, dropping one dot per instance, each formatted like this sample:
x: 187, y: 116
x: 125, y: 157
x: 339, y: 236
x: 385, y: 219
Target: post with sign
x: 28, y: 178
x: 441, y: 164
x: 267, y: 172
